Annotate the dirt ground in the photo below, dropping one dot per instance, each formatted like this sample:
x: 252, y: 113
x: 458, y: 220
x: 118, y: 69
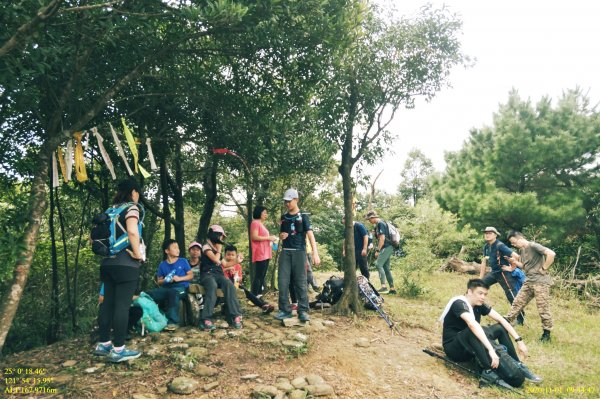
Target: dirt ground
x: 390, y: 366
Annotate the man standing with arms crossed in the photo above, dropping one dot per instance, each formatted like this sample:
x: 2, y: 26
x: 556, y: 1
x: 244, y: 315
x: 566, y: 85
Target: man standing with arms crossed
x: 496, y: 255
x: 535, y: 261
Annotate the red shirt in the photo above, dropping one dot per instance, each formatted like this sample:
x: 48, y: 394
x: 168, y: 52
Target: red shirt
x: 261, y: 250
x: 231, y: 273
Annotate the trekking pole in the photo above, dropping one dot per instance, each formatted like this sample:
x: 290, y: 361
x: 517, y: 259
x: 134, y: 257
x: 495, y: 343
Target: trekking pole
x: 511, y: 293
x: 470, y: 371
x: 385, y: 317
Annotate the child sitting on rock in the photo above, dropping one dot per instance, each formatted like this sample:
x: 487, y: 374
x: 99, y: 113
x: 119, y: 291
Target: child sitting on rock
x: 233, y: 271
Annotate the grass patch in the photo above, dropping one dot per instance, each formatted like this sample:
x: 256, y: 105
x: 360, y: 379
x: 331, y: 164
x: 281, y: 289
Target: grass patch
x: 569, y: 365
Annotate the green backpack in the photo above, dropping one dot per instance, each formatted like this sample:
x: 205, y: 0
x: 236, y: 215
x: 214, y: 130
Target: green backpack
x: 152, y: 318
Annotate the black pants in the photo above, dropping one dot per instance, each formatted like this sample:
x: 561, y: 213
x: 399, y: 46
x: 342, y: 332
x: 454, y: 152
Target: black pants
x: 120, y: 283
x: 260, y: 272
x: 212, y: 281
x: 508, y: 284
x: 253, y: 298
x: 361, y: 262
x: 466, y: 345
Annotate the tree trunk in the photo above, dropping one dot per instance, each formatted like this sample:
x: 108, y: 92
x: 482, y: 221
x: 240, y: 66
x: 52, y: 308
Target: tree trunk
x: 164, y: 188
x: 349, y: 302
x: 52, y: 333
x: 178, y: 200
x: 61, y: 222
x: 76, y: 265
x: 36, y: 208
x: 210, y: 189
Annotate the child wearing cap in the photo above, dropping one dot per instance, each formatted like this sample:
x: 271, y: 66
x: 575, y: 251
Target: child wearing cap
x: 212, y: 277
x: 195, y: 249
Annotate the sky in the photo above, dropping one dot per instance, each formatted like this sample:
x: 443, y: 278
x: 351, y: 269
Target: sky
x: 540, y: 48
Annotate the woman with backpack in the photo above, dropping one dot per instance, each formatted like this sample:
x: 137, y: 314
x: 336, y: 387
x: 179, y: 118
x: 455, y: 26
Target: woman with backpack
x: 119, y: 274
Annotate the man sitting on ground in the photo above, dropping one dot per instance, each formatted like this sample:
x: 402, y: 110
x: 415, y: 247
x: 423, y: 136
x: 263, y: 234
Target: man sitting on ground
x: 464, y: 338
x: 174, y: 275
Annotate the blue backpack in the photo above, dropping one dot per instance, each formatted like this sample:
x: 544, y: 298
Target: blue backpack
x: 152, y: 318
x: 105, y: 241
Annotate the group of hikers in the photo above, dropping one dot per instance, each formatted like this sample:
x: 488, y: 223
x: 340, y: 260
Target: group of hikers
x: 216, y: 265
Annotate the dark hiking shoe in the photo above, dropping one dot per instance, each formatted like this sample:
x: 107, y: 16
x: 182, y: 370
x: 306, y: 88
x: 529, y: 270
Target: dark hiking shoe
x: 303, y: 317
x: 546, y: 336
x: 392, y: 291
x: 529, y: 375
x: 282, y: 315
x: 267, y: 308
x: 207, y: 325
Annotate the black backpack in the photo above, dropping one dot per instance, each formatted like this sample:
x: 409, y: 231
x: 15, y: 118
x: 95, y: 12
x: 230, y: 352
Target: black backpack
x: 105, y: 236
x: 332, y: 290
x: 509, y: 369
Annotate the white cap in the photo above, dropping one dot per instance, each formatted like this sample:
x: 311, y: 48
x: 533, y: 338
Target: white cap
x: 290, y: 194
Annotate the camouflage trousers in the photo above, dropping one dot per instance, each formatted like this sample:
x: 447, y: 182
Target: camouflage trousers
x: 528, y: 291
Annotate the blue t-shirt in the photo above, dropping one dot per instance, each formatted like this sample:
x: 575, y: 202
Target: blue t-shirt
x: 382, y: 228
x: 181, y: 267
x: 296, y: 225
x: 497, y: 250
x: 360, y: 231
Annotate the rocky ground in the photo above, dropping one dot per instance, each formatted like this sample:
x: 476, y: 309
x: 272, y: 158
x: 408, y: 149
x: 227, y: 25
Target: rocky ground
x: 333, y: 357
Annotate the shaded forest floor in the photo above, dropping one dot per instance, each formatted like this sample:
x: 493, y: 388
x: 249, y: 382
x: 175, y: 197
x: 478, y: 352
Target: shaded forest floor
x: 359, y: 358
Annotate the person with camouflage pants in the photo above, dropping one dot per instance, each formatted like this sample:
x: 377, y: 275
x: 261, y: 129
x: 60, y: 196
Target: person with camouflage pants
x: 535, y: 261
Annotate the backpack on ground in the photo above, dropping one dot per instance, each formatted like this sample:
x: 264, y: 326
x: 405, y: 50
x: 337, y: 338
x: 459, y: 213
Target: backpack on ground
x: 152, y: 318
x: 508, y: 368
x: 105, y: 239
x: 394, y: 235
x: 368, y: 294
x: 332, y: 290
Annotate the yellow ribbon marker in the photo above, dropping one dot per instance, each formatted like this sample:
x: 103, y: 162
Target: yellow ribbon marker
x: 61, y: 162
x: 80, y: 172
x: 144, y: 172
x: 132, y: 146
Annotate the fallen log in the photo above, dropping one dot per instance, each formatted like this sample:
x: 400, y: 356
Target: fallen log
x: 458, y: 265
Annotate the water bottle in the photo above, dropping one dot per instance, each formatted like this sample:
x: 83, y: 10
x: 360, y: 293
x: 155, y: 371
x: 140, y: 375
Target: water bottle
x: 236, y: 280
x: 169, y: 277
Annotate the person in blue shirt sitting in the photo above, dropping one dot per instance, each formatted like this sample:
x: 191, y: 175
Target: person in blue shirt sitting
x: 173, y: 276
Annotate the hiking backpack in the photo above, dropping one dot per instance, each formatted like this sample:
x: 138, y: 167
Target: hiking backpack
x: 508, y: 368
x: 152, y: 318
x: 394, y: 235
x: 105, y: 241
x: 332, y: 290
x: 368, y: 294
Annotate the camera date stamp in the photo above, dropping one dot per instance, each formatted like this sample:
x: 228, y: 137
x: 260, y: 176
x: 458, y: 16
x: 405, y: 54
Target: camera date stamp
x: 581, y: 390
x: 26, y: 381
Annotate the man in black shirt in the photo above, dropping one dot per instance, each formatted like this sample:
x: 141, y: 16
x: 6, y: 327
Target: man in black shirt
x: 295, y: 228
x: 464, y: 337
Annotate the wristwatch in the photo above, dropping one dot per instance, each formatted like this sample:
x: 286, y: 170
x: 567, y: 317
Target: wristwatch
x: 518, y: 339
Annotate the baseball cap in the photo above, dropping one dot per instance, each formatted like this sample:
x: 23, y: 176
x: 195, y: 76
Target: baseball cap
x: 194, y: 244
x: 371, y: 214
x: 290, y: 194
x: 217, y: 229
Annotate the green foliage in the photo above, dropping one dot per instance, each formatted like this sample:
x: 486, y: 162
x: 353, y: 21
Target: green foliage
x: 536, y: 167
x: 415, y: 173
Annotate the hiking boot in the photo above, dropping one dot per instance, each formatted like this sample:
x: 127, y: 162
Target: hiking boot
x: 303, y: 317
x: 282, y: 315
x: 546, y: 336
x: 294, y: 306
x: 103, y: 350
x: 171, y: 327
x: 237, y: 322
x: 529, y: 375
x: 206, y: 325
x: 122, y: 356
x: 489, y: 377
x: 267, y: 308
x: 392, y: 292
x: 383, y: 290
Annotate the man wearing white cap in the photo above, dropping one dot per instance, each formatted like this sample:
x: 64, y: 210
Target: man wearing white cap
x: 295, y: 228
x: 496, y: 255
